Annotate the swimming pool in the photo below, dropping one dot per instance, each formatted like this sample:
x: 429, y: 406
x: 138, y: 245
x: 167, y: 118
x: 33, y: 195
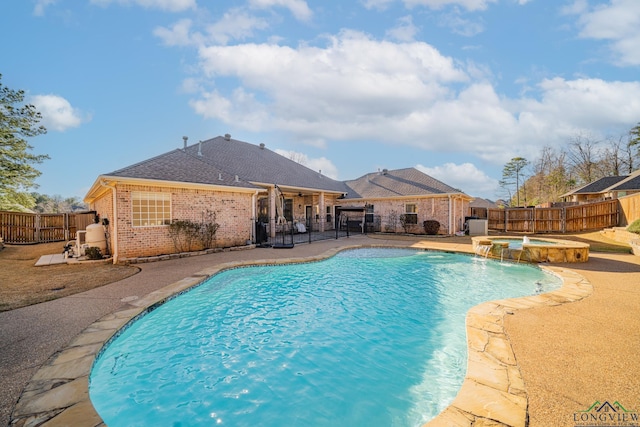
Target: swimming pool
x: 368, y: 337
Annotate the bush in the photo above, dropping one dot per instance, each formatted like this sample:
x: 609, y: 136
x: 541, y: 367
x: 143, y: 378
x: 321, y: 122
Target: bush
x: 93, y: 253
x: 634, y: 227
x: 431, y: 226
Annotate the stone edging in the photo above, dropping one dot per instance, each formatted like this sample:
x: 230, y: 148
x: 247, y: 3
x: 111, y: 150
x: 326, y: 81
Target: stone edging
x: 493, y: 389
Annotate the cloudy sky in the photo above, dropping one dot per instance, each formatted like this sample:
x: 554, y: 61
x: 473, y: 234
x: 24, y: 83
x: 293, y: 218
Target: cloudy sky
x: 454, y: 87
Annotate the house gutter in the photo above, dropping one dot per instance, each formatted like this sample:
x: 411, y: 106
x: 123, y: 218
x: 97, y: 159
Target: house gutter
x: 114, y: 220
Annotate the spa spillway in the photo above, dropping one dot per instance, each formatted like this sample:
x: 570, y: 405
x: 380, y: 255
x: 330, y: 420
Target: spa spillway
x: 525, y: 249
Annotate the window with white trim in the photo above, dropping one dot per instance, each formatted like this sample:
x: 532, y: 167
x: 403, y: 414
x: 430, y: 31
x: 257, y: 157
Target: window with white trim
x: 150, y: 209
x: 411, y: 213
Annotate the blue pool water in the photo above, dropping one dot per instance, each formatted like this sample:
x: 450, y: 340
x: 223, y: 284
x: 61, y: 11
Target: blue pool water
x: 370, y: 337
x: 517, y: 243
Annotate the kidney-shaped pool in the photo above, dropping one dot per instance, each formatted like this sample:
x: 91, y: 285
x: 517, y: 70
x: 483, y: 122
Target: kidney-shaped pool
x: 369, y: 337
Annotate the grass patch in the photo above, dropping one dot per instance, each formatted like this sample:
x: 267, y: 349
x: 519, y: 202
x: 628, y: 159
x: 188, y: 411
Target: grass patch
x: 22, y: 284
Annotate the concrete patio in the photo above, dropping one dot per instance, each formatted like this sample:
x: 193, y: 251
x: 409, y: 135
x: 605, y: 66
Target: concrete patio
x: 35, y: 338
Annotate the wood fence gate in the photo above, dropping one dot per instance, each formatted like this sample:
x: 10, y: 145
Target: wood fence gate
x: 27, y: 228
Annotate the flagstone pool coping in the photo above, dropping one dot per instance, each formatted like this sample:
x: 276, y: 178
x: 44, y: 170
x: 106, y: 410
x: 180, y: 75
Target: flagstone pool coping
x: 493, y: 391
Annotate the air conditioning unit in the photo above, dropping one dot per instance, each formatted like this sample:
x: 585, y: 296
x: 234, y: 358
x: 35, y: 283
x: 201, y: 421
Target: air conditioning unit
x: 478, y: 227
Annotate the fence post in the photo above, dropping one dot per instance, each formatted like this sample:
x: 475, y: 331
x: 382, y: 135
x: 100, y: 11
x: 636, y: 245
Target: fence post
x: 37, y: 226
x: 65, y: 225
x: 533, y: 211
x: 506, y: 220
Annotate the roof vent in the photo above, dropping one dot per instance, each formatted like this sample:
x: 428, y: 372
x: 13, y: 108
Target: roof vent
x: 184, y: 138
x: 200, y: 148
x: 237, y: 179
x: 385, y: 171
x: 262, y: 145
x: 219, y: 177
x: 227, y: 136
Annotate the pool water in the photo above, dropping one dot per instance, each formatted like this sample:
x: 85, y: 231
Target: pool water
x: 370, y: 337
x: 517, y: 243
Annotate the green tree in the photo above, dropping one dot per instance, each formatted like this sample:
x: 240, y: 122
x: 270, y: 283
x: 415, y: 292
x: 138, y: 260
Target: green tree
x: 18, y: 121
x: 512, y: 174
x: 634, y: 137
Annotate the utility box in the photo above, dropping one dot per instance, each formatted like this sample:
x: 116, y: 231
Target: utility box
x: 478, y: 227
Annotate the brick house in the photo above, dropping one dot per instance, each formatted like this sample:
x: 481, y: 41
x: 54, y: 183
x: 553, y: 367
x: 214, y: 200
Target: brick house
x: 238, y: 183
x: 606, y: 188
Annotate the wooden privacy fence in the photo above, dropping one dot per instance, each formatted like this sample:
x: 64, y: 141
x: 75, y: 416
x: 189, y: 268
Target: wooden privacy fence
x: 569, y: 219
x: 25, y: 228
x: 629, y: 209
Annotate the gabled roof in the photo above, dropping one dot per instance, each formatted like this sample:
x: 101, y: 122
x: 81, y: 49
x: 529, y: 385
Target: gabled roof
x: 258, y: 164
x: 479, y: 202
x: 181, y: 166
x: 397, y: 183
x: 599, y: 186
x: 632, y: 182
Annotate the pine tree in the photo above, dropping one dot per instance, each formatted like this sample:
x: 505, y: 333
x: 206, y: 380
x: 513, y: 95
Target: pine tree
x: 18, y: 121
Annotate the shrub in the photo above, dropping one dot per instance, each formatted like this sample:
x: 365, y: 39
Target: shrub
x: 392, y: 222
x: 93, y: 252
x: 183, y: 232
x: 431, y: 226
x: 634, y: 227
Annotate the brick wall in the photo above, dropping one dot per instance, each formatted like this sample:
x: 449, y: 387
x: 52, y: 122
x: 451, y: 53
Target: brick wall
x: 430, y: 208
x: 233, y: 212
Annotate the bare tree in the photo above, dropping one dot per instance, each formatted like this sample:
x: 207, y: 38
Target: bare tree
x: 550, y: 179
x: 584, y: 157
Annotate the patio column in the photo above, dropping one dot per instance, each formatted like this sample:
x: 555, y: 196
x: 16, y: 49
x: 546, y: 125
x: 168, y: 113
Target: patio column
x: 272, y: 212
x: 323, y: 213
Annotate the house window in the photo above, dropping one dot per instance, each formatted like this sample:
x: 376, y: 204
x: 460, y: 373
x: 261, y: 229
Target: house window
x: 411, y: 213
x: 151, y: 209
x: 288, y: 209
x: 368, y: 216
x: 329, y: 216
x: 263, y: 209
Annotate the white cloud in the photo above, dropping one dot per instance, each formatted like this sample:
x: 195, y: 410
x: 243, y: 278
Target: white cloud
x: 298, y: 8
x: 459, y: 25
x: 617, y: 22
x: 321, y: 164
x: 471, y: 5
x: 168, y: 5
x: 235, y: 24
x: 466, y: 177
x: 405, y: 31
x: 57, y: 112
x: 359, y: 88
x: 41, y: 5
x: 179, y: 34
x: 377, y: 4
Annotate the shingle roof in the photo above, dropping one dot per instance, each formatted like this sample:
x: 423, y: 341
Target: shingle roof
x: 258, y: 164
x: 599, y: 185
x: 181, y: 166
x: 396, y: 183
x: 479, y: 202
x: 631, y: 184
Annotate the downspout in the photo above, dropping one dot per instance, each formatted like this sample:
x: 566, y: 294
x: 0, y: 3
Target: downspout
x: 254, y: 201
x: 450, y: 214
x: 114, y: 220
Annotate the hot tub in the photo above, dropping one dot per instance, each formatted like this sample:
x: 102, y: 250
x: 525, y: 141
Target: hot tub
x: 526, y: 249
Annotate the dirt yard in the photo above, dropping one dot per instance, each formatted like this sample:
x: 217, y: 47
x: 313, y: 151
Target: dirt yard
x: 22, y: 284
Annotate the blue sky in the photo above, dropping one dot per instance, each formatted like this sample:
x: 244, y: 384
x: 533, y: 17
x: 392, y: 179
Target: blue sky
x: 454, y: 87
